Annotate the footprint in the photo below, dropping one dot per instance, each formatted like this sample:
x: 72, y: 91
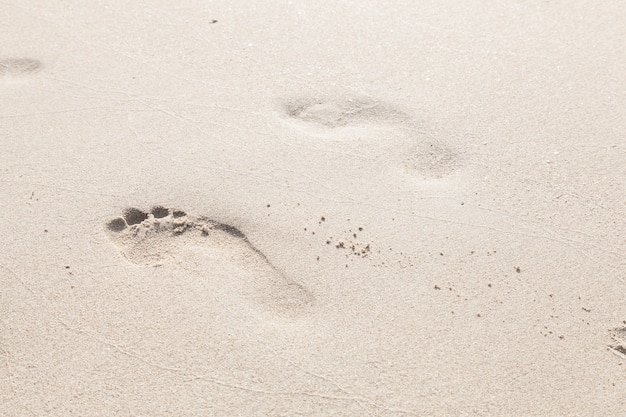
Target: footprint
x: 333, y: 113
x: 619, y: 337
x: 213, y: 250
x: 399, y: 138
x: 18, y: 67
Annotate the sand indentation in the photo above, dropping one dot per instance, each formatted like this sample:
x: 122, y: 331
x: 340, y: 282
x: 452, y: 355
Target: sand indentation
x: 213, y: 250
x: 19, y: 67
x: 407, y: 143
x: 336, y: 113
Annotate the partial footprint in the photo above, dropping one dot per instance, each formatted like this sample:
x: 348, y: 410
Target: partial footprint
x: 213, y: 250
x: 18, y: 67
x: 336, y: 113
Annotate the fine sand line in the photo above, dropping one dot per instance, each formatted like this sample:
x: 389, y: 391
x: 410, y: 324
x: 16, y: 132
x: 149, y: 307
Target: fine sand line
x: 619, y: 338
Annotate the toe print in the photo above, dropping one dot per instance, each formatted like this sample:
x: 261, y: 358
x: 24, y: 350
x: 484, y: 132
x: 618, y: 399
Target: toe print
x: 159, y: 212
x: 134, y: 216
x: 117, y: 225
x: 213, y: 250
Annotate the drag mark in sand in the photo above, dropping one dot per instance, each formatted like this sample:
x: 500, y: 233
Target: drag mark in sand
x: 166, y: 237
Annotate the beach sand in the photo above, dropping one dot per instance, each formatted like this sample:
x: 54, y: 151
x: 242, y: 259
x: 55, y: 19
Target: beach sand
x: 298, y: 208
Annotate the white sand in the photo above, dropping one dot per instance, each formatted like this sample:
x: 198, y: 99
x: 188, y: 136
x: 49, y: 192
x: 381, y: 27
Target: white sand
x: 468, y: 160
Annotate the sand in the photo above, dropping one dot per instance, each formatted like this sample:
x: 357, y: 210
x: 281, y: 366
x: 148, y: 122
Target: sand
x: 289, y: 208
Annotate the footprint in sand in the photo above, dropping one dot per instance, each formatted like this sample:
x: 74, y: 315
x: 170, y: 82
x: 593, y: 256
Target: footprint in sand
x: 332, y: 114
x: 366, y: 118
x: 18, y: 67
x: 213, y: 250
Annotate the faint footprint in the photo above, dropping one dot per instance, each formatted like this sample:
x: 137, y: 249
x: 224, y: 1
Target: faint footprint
x: 365, y: 118
x: 619, y: 337
x: 18, y: 67
x: 332, y: 113
x: 215, y: 250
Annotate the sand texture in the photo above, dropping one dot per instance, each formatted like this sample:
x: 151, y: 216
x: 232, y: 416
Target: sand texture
x: 312, y: 208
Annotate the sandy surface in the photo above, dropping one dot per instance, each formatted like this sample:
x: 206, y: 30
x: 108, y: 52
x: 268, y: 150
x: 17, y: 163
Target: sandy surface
x: 290, y: 208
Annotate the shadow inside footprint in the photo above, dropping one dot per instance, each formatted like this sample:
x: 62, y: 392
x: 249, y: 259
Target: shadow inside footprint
x: 16, y: 67
x: 164, y: 236
x: 231, y: 230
